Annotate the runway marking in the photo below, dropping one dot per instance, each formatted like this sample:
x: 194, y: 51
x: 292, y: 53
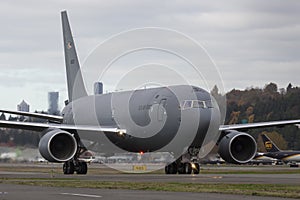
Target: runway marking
x: 3, y: 193
x: 217, y: 177
x: 82, y: 195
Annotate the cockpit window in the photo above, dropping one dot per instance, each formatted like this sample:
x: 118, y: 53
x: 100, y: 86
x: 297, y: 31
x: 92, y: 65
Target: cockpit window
x: 195, y: 104
x: 209, y: 104
x: 198, y: 104
x: 187, y: 104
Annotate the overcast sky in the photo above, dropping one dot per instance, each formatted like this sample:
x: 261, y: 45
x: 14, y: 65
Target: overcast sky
x: 253, y: 42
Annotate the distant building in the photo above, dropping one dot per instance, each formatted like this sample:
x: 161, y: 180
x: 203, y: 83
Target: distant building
x: 23, y: 106
x: 98, y: 88
x: 2, y: 116
x: 53, y: 103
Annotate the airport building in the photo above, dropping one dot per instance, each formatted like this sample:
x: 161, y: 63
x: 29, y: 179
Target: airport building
x: 98, y: 88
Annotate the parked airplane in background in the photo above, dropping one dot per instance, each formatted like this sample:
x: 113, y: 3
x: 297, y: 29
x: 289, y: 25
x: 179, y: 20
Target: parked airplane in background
x: 157, y: 114
x: 261, y: 159
x: 290, y: 157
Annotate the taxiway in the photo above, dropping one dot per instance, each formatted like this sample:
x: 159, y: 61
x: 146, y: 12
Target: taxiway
x: 16, y: 192
x: 9, y: 191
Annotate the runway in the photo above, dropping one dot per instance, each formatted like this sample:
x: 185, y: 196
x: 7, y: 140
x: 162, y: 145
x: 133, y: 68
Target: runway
x: 16, y: 192
x: 9, y: 191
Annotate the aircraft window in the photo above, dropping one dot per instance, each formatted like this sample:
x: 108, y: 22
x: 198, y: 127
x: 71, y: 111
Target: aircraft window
x: 195, y: 104
x: 208, y: 104
x: 198, y: 104
x: 187, y: 104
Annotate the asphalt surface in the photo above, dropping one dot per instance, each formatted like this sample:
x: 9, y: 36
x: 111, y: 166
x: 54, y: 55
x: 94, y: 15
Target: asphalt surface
x: 16, y: 192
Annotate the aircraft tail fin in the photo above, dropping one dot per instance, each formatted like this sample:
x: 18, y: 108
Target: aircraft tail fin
x: 269, y: 144
x: 76, y: 88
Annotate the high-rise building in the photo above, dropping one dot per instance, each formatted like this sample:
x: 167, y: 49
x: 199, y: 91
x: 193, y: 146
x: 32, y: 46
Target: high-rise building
x: 98, y: 88
x: 53, y: 103
x: 23, y: 106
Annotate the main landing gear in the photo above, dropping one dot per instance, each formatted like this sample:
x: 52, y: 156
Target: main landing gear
x: 72, y: 166
x: 76, y: 164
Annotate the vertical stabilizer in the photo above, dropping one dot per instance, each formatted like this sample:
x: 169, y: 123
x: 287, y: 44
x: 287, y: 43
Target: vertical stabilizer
x: 76, y: 88
x: 269, y: 144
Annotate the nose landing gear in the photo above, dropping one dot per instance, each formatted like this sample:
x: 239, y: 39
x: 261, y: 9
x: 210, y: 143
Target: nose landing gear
x: 186, y: 164
x: 183, y: 168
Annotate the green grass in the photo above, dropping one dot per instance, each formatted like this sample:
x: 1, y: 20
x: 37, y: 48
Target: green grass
x: 57, y: 169
x: 272, y: 190
x: 277, y: 171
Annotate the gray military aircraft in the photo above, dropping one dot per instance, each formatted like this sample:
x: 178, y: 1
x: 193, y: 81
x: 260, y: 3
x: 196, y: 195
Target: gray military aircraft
x: 100, y: 122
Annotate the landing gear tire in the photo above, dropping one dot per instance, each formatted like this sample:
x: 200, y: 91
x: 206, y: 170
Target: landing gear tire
x: 181, y: 168
x: 187, y: 168
x: 196, y: 169
x: 82, y: 168
x: 171, y: 168
x: 68, y: 167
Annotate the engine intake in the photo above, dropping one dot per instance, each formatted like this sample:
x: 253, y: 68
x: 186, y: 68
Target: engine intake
x: 58, y: 146
x: 237, y: 147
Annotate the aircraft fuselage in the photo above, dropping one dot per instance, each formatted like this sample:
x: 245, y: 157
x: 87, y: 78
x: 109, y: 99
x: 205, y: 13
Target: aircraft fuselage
x: 153, y: 118
x: 285, y: 156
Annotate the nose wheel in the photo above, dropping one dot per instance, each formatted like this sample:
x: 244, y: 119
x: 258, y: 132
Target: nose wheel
x: 185, y: 164
x: 183, y: 168
x: 171, y: 168
x: 196, y: 168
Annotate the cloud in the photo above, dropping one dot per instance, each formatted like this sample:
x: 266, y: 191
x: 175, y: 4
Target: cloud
x: 260, y: 39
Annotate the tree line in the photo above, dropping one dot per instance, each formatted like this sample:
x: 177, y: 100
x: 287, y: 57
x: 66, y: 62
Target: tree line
x: 267, y: 104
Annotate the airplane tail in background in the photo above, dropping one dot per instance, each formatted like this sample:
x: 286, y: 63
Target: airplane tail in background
x: 76, y: 88
x: 269, y: 144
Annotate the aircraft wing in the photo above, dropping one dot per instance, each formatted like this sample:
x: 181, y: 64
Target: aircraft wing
x: 43, y: 126
x: 258, y: 125
x: 37, y: 115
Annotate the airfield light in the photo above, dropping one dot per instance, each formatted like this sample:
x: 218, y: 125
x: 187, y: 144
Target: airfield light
x: 142, y: 153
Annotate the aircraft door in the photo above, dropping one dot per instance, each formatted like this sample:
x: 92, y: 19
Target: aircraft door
x: 161, y: 112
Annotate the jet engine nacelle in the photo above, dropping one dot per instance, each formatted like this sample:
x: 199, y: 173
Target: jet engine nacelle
x: 58, y: 146
x: 237, y: 147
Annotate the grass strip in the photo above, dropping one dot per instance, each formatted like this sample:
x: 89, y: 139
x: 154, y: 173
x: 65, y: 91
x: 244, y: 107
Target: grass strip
x: 98, y: 171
